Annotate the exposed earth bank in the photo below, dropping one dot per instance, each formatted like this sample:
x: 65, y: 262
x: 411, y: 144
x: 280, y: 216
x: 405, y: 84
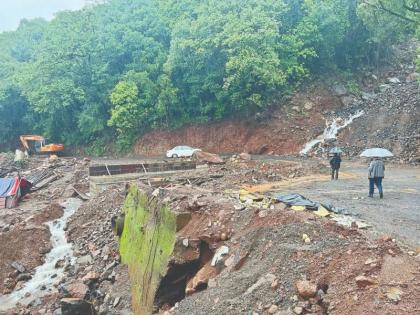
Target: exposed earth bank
x: 389, y: 100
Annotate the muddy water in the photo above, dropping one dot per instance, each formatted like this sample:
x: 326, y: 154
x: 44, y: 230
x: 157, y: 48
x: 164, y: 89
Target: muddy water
x: 46, y: 275
x: 331, y: 131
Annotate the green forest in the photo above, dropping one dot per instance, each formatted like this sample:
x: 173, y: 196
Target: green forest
x: 115, y: 70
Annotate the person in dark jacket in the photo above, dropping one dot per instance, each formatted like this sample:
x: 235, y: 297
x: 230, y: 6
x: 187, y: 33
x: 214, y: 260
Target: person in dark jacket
x: 335, y: 163
x: 376, y: 172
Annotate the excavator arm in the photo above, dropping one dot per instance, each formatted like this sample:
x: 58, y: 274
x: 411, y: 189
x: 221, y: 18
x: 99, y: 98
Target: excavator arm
x: 25, y: 138
x: 41, y: 147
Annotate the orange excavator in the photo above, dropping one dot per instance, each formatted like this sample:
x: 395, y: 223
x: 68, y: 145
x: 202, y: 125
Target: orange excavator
x: 37, y: 144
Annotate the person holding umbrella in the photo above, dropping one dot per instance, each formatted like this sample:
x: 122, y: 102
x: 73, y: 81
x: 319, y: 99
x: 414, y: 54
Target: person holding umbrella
x: 376, y: 170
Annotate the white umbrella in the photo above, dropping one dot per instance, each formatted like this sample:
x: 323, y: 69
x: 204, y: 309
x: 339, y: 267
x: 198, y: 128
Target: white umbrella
x: 376, y: 152
x: 336, y: 150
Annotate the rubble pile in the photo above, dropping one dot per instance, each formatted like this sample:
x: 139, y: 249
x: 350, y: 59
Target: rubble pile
x: 390, y: 104
x: 212, y: 244
x: 392, y: 120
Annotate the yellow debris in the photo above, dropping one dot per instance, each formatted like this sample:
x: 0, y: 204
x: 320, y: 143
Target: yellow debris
x: 298, y: 208
x: 306, y: 238
x: 322, y: 212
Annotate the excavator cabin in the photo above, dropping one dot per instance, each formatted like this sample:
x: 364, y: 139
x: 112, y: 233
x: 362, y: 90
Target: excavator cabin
x: 35, y: 144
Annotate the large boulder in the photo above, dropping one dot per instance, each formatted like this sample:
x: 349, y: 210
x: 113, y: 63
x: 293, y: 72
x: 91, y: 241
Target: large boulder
x: 206, y: 157
x: 75, y: 306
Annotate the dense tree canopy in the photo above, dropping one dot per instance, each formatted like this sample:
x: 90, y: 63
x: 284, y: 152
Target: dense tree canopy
x: 118, y: 69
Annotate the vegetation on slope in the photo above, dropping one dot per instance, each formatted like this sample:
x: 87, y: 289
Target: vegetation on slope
x: 118, y: 69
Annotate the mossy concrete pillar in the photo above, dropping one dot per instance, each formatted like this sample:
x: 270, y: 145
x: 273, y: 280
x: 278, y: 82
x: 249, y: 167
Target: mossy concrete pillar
x: 146, y: 245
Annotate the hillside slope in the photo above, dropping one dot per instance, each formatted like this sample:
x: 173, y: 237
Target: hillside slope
x: 389, y: 100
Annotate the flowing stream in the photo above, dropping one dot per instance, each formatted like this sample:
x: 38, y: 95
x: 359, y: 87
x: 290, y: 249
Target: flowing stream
x: 331, y: 131
x: 46, y: 275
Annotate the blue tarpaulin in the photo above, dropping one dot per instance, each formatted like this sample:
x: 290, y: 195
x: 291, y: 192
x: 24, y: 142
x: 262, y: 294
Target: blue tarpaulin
x: 6, y: 185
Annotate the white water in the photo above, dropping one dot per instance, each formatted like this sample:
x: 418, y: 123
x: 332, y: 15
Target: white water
x: 331, y: 131
x: 44, y: 274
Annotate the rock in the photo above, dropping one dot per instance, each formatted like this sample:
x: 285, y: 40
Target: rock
x: 394, y: 294
x: 298, y: 310
x: 268, y: 278
x: 386, y: 238
x: 367, y: 96
x: 339, y: 89
x: 206, y: 157
x: 185, y: 242
x: 370, y: 261
x: 85, y: 260
x: 346, y: 100
x: 105, y: 251
x: 394, y: 80
x: 91, y: 275
x: 201, y: 279
x: 296, y: 108
x: 9, y: 283
x: 281, y: 206
x: 18, y: 266
x: 363, y: 281
x: 103, y: 310
x: 306, y: 239
x: 384, y: 87
x: 78, y: 290
x: 262, y: 149
x: 275, y: 284
x: 53, y: 158
x: 245, y: 156
x: 262, y: 213
x: 116, y: 301
x: 412, y: 77
x: 273, y: 309
x: 24, y: 277
x: 59, y: 264
x: 308, y: 105
x: 72, y: 306
x: 306, y: 289
x: 218, y: 256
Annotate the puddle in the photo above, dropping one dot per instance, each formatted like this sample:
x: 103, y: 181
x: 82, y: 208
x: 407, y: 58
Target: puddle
x: 46, y: 275
x: 331, y: 131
